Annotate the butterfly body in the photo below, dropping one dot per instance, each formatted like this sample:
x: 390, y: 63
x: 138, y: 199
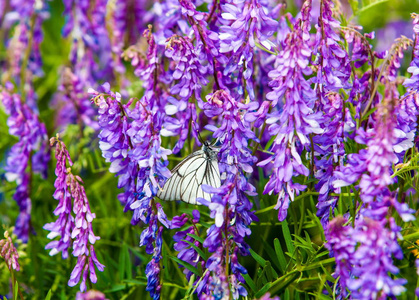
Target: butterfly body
x: 200, y: 167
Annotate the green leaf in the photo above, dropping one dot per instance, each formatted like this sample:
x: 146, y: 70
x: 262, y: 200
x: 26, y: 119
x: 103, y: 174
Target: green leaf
x: 186, y: 265
x: 371, y: 3
x: 287, y: 237
x: 263, y: 290
x: 250, y: 282
x: 197, y: 238
x: 48, y: 297
x: 269, y: 271
x: 257, y: 257
x: 197, y: 249
x: 16, y: 290
x: 280, y: 255
x: 271, y: 253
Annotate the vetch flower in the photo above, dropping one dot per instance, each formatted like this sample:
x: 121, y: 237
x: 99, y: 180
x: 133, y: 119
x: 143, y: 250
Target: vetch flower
x: 9, y: 253
x: 329, y: 147
x: 72, y: 102
x: 364, y: 257
x: 186, y: 252
x: 30, y: 150
x: 342, y: 247
x: 130, y: 139
x: 91, y: 295
x: 297, y: 120
x: 229, y: 204
x: 250, y: 25
x: 333, y: 63
x: 372, y: 261
x: 74, y: 230
x: 190, y: 75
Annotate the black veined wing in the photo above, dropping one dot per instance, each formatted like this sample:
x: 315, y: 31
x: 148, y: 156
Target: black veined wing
x: 201, y: 167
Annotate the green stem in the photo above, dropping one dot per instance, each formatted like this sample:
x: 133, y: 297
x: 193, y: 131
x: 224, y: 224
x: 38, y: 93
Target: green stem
x: 269, y: 208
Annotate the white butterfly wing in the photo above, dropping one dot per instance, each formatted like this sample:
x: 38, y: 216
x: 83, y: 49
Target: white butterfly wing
x: 188, y: 177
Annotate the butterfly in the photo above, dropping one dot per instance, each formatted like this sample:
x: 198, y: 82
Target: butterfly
x: 200, y: 167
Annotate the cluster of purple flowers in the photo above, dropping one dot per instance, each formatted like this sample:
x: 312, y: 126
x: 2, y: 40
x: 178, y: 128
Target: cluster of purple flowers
x: 29, y: 155
x: 74, y: 231
x: 292, y: 125
x: 9, y: 253
x: 364, y: 272
x: 21, y: 28
x: 229, y: 206
x: 130, y: 140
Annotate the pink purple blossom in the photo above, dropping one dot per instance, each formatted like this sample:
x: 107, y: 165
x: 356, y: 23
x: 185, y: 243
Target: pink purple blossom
x: 74, y: 223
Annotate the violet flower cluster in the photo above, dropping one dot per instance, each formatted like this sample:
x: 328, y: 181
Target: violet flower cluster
x: 333, y: 74
x: 9, y: 253
x: 21, y: 29
x: 247, y: 25
x: 29, y: 155
x: 297, y: 120
x: 130, y: 140
x: 229, y: 205
x: 90, y: 58
x: 362, y: 271
x: 74, y: 230
x: 364, y: 257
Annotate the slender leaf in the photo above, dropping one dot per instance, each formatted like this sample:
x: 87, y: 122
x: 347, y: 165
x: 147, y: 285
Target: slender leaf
x: 186, y: 265
x: 280, y: 255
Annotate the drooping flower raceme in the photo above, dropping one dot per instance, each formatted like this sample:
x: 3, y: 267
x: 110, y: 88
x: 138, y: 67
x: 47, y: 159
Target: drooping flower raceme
x: 292, y: 126
x: 9, y: 253
x: 229, y: 205
x: 333, y: 61
x: 29, y: 155
x: 190, y: 73
x: 72, y: 103
x: 91, y: 59
x: 330, y: 148
x: 130, y: 140
x: 333, y: 72
x: 413, y: 82
x: 364, y: 257
x: 250, y: 25
x: 374, y: 237
x: 75, y: 229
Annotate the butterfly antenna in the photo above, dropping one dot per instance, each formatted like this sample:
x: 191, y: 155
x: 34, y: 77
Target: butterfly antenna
x: 199, y: 135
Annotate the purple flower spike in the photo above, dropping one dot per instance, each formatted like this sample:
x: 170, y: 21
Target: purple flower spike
x: 9, y: 253
x: 364, y: 257
x: 332, y: 60
x: 229, y: 206
x: 74, y: 231
x: 24, y: 123
x: 73, y: 103
x: 190, y: 74
x: 130, y: 139
x: 297, y: 120
x: 189, y: 71
x: 342, y: 247
x: 250, y: 26
x: 372, y: 262
x: 330, y: 148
